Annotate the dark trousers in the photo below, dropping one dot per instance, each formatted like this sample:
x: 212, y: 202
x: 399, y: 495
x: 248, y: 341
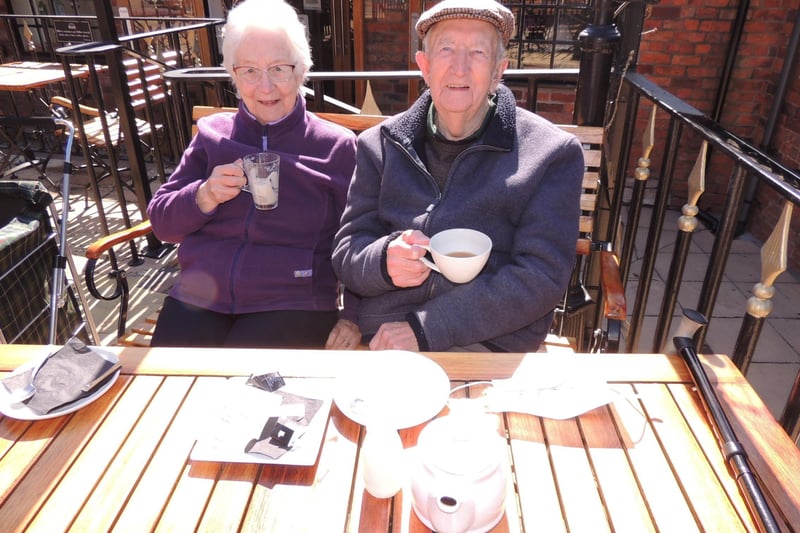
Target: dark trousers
x: 181, y: 324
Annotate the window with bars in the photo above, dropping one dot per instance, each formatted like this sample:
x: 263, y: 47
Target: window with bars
x: 546, y: 32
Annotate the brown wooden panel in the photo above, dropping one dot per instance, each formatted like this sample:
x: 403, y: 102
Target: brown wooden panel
x: 577, y: 489
x: 588, y: 202
x: 772, y: 453
x: 118, y: 481
x: 642, y: 463
x: 308, y: 498
x: 143, y: 509
x: 645, y: 368
x: 537, y: 492
x: 660, y: 489
x: 705, y: 496
x: 688, y: 401
x: 228, y: 501
x: 356, y: 123
x: 31, y: 499
x: 186, y: 505
x: 591, y: 181
x: 22, y: 443
x: 622, y: 499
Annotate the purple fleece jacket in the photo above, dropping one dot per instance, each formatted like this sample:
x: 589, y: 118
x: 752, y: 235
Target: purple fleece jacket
x: 238, y: 259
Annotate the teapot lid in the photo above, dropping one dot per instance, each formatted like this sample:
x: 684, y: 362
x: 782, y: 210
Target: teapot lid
x: 460, y: 445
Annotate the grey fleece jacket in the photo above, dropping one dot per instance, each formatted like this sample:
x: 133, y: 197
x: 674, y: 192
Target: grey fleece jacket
x: 519, y: 183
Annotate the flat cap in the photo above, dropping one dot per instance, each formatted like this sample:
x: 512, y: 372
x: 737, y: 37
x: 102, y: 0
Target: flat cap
x: 485, y: 10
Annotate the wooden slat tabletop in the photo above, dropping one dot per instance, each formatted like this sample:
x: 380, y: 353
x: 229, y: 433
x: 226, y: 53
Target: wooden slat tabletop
x: 25, y: 76
x: 649, y: 461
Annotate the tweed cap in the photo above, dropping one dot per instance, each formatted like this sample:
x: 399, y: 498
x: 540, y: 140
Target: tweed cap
x: 485, y: 10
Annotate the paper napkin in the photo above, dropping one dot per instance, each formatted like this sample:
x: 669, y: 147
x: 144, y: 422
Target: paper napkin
x: 61, y: 377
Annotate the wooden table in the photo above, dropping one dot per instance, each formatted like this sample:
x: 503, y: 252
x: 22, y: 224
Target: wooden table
x: 23, y: 76
x: 34, y: 78
x: 646, y: 462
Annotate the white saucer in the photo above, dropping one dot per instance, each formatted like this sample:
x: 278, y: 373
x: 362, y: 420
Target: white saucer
x: 396, y: 388
x: 20, y: 411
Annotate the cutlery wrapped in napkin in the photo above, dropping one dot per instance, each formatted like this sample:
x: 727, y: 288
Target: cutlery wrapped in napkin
x: 63, y: 375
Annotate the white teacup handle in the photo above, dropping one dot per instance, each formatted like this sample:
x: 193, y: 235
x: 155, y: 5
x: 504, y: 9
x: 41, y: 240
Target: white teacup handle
x: 430, y: 264
x: 427, y: 262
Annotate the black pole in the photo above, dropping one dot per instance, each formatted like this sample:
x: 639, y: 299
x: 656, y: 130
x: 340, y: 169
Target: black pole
x: 598, y: 42
x: 732, y: 449
x: 141, y: 183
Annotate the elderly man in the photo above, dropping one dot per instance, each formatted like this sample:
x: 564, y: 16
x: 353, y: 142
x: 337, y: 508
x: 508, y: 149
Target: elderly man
x: 464, y: 155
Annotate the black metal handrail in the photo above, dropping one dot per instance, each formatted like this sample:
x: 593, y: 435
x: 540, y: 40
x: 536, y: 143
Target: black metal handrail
x: 170, y: 29
x: 748, y: 162
x: 218, y: 81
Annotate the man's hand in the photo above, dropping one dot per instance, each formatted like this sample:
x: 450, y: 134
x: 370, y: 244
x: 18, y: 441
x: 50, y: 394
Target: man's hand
x: 345, y: 335
x: 402, y: 259
x: 394, y: 336
x: 225, y: 183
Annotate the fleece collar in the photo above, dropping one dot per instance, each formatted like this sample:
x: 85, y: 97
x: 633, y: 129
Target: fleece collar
x: 408, y: 127
x: 285, y: 125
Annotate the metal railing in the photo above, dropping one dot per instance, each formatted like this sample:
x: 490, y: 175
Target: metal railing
x: 38, y: 37
x: 192, y: 86
x: 687, y: 125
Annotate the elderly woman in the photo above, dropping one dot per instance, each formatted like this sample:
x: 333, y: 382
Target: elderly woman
x: 464, y: 155
x: 253, y: 277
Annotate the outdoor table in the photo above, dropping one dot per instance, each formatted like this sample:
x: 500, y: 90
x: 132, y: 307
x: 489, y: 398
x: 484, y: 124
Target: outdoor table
x: 648, y: 461
x: 31, y: 76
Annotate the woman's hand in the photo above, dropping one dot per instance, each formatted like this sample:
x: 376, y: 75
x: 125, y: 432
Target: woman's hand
x: 402, y: 259
x: 225, y: 183
x: 344, y: 335
x: 394, y: 336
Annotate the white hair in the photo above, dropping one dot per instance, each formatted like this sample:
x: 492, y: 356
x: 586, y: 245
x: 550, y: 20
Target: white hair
x: 266, y: 15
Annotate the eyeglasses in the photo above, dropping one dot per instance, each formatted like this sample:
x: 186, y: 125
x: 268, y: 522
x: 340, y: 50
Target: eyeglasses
x: 276, y: 73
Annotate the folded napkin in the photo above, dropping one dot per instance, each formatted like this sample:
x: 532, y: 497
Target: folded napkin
x: 557, y: 388
x: 61, y: 377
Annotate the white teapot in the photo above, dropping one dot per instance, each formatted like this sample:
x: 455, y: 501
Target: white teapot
x: 460, y: 474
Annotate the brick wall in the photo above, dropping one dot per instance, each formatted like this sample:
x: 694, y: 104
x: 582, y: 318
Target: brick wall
x: 686, y: 56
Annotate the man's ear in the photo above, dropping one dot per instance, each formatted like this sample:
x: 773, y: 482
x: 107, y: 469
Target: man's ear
x: 422, y: 62
x: 498, y: 73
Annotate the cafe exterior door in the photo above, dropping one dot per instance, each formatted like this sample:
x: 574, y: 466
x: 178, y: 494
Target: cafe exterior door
x: 330, y: 31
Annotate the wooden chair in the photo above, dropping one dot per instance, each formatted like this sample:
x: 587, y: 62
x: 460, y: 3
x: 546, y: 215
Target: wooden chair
x: 596, y: 276
x: 101, y: 128
x: 591, y: 138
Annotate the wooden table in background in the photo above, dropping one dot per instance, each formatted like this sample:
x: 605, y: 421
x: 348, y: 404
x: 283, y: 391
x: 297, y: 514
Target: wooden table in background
x: 647, y: 462
x: 31, y: 77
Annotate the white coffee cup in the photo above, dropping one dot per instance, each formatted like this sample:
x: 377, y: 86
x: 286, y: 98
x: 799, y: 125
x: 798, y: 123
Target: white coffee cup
x: 262, y: 171
x: 459, y: 254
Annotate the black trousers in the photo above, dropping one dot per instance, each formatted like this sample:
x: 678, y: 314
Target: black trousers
x: 181, y: 324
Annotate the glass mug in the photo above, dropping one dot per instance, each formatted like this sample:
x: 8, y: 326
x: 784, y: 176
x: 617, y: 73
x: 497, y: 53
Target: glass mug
x: 262, y: 171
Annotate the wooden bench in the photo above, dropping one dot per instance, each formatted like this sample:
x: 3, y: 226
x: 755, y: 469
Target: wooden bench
x: 591, y: 139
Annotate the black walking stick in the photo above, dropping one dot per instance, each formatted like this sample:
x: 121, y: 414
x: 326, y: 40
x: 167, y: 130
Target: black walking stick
x: 732, y: 449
